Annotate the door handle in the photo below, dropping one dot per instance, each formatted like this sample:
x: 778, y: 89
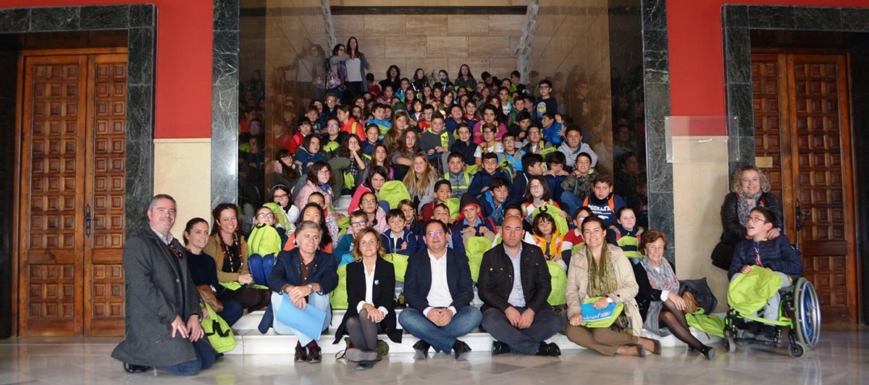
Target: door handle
x: 88, y: 219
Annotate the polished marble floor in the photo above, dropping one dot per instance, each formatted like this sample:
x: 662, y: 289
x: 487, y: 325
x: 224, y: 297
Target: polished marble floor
x: 842, y: 357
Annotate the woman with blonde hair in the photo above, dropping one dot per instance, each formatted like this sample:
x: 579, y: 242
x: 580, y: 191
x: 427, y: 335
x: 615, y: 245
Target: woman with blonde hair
x: 420, y: 180
x: 370, y: 290
x: 749, y: 188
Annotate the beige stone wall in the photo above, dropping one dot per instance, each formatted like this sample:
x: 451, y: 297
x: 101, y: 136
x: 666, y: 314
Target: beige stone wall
x: 434, y: 42
x: 699, y: 166
x: 181, y: 169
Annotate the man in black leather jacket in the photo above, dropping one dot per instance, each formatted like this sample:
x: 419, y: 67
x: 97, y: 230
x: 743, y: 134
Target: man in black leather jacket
x: 514, y: 285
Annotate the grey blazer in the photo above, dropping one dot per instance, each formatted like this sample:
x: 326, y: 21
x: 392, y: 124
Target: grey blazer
x: 156, y: 290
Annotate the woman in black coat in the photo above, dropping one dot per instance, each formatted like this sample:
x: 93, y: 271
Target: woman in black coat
x: 370, y: 291
x: 748, y: 189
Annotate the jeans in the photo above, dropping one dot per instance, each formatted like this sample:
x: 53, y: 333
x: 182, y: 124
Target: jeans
x: 522, y: 341
x: 205, y: 357
x: 571, y: 201
x: 319, y: 301
x: 261, y: 267
x: 441, y: 338
x: 232, y: 311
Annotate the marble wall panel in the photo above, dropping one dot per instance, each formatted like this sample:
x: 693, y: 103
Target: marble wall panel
x: 498, y: 46
x: 405, y: 47
x: 349, y: 25
x: 506, y: 25
x: 385, y: 25
x: 467, y: 25
x: 426, y: 25
x: 446, y: 46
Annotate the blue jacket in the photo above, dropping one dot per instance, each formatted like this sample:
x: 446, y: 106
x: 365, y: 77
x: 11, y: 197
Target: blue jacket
x: 484, y: 179
x: 417, y: 280
x: 304, y: 157
x: 467, y: 150
x: 288, y: 271
x: 495, y: 213
x: 776, y: 254
x: 391, y: 246
x: 517, y: 189
x: 550, y: 135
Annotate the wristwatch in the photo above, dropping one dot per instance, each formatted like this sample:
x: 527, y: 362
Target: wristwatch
x: 311, y: 288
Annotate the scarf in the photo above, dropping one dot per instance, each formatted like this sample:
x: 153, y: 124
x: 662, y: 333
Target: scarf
x: 661, y: 278
x: 602, y: 281
x: 601, y: 277
x: 743, y: 207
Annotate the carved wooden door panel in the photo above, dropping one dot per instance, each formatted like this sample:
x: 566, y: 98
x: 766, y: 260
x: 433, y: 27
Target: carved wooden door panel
x: 802, y: 130
x: 103, y: 271
x: 818, y: 109
x: 71, y: 212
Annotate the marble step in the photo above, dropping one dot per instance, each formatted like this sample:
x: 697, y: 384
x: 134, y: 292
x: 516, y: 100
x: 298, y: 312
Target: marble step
x: 251, y: 341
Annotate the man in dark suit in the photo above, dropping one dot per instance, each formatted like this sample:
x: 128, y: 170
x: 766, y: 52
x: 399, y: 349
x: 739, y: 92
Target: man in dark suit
x: 514, y: 285
x: 163, y: 313
x: 438, y: 290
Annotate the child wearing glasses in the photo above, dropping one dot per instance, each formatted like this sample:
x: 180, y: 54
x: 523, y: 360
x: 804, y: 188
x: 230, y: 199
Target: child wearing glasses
x: 264, y: 243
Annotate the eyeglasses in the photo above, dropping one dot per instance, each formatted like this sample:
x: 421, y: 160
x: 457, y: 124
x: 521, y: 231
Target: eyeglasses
x: 324, y: 172
x: 756, y: 219
x: 436, y: 233
x: 282, y: 196
x: 358, y: 223
x: 533, y: 133
x: 364, y: 201
x: 265, y: 215
x: 535, y: 186
x: 335, y: 125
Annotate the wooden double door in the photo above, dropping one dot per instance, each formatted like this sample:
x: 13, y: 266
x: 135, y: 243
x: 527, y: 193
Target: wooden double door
x: 803, y: 143
x: 72, y: 115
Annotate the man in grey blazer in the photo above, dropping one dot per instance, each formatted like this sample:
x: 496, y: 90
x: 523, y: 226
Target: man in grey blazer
x: 162, y: 306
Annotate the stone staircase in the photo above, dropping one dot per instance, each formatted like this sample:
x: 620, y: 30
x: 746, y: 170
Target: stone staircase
x: 251, y: 341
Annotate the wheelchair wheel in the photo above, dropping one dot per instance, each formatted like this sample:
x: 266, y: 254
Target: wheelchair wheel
x: 796, y: 349
x: 808, y: 313
x: 729, y: 344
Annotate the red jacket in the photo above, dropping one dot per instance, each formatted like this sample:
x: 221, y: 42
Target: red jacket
x: 353, y: 127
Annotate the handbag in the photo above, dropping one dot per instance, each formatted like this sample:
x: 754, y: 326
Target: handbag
x: 722, y: 255
x: 207, y: 295
x: 690, y: 302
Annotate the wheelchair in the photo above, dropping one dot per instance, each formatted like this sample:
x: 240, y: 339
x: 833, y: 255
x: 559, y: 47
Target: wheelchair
x: 799, y: 311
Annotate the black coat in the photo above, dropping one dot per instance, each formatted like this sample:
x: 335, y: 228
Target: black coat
x: 496, y: 278
x: 417, y: 280
x: 158, y: 288
x: 646, y: 294
x: 383, y: 295
x: 734, y: 232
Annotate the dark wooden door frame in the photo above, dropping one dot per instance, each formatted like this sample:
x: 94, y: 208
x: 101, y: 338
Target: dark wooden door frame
x: 140, y: 23
x: 737, y: 22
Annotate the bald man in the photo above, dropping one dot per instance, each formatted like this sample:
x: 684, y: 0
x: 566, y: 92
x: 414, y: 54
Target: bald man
x: 514, y: 285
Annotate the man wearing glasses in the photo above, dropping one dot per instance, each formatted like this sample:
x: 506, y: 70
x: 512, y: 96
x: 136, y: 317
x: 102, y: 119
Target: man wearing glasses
x: 438, y: 290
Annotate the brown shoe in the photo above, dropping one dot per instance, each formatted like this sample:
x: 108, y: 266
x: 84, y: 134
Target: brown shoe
x: 301, y: 353
x: 314, y: 353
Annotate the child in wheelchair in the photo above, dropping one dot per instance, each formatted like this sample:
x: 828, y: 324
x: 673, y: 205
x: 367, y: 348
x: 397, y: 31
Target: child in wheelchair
x: 778, y: 255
